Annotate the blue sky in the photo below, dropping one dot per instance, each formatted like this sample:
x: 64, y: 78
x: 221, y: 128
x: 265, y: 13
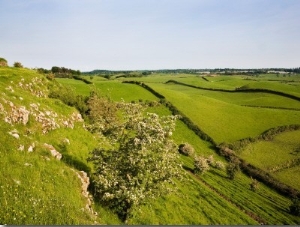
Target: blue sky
x: 150, y: 34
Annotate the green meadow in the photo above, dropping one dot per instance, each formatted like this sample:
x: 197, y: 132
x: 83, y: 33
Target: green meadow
x: 54, y: 196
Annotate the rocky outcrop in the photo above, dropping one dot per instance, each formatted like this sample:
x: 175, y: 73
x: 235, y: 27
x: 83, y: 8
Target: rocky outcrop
x: 16, y: 114
x: 14, y: 133
x: 33, y: 86
x: 85, y: 181
x: 53, y: 151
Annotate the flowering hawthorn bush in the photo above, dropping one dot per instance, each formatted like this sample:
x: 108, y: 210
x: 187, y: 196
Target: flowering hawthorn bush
x: 142, y: 162
x: 201, y: 164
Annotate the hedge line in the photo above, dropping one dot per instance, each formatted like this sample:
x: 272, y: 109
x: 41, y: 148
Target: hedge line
x: 245, y: 90
x: 260, y: 174
x: 224, y: 150
x: 267, y: 135
x: 82, y: 79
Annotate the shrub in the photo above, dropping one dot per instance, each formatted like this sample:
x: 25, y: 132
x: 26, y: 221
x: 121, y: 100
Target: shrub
x: 186, y: 149
x: 200, y: 165
x: 102, y: 113
x: 3, y: 62
x: 211, y: 160
x: 295, y: 207
x: 18, y: 65
x: 233, y: 167
x: 254, y: 184
x: 220, y: 165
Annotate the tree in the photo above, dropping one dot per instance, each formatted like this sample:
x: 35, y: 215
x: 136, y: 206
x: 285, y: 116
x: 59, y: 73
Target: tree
x: 18, y: 65
x: 3, y: 62
x: 141, y: 163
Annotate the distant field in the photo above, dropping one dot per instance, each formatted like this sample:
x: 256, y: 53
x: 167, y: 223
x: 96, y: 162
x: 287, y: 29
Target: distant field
x: 221, y: 120
x: 275, y: 154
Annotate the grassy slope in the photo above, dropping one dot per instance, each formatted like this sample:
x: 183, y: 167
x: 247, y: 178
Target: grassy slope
x: 195, y: 202
x: 34, y: 190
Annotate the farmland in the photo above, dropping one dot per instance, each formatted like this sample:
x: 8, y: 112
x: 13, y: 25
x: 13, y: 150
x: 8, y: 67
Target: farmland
x: 209, y: 198
x: 226, y: 117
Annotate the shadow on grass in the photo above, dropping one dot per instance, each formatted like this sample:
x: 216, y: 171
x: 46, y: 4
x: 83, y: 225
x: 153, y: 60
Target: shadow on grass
x: 75, y: 163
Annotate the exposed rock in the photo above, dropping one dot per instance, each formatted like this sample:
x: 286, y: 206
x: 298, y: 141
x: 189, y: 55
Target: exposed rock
x: 21, y: 148
x: 76, y: 117
x: 17, y: 115
x: 27, y: 164
x: 66, y: 141
x: 9, y: 88
x: 85, y: 181
x: 53, y: 151
x: 31, y: 147
x: 14, y: 133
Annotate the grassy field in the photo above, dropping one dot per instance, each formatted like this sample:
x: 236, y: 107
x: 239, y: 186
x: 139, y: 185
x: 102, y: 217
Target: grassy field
x: 275, y: 155
x: 225, y: 122
x: 238, y: 191
x: 54, y: 197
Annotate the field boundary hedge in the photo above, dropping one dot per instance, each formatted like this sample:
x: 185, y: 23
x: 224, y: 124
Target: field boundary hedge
x: 225, y: 151
x: 82, y: 79
x: 241, y: 89
x: 266, y: 135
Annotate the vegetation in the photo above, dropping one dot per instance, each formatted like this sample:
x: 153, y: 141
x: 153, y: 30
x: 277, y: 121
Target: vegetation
x: 136, y: 149
x: 18, y: 65
x: 141, y: 163
x: 3, y: 62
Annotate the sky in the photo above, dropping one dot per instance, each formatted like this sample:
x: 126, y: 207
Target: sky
x: 150, y: 34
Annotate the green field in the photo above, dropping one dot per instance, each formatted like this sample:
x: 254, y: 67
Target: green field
x: 225, y: 122
x: 215, y: 103
x: 208, y: 199
x: 275, y: 155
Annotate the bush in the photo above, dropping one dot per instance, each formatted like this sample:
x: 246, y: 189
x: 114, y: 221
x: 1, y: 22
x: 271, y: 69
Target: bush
x: 295, y: 207
x: 233, y: 167
x: 254, y: 184
x: 211, y: 160
x: 200, y: 165
x: 220, y: 165
x: 70, y: 98
x: 3, y: 62
x: 18, y: 65
x: 186, y: 149
x: 102, y: 113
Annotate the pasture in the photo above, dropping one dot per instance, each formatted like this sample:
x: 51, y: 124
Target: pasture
x: 225, y: 118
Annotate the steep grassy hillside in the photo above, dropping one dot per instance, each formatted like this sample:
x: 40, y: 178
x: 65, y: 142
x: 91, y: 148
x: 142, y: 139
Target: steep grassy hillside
x: 43, y: 149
